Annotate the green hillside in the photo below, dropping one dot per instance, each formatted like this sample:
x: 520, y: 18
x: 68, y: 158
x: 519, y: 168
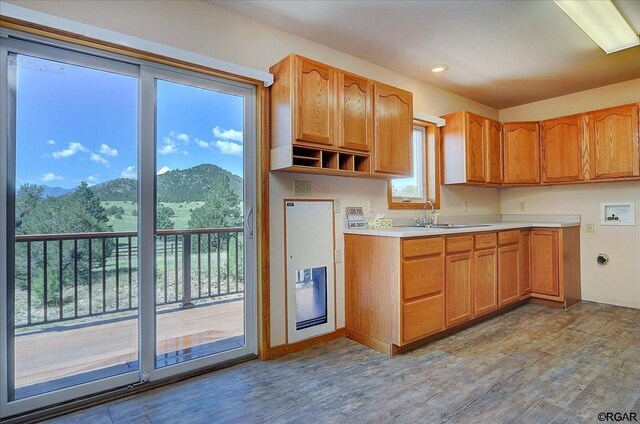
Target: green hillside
x: 177, y: 186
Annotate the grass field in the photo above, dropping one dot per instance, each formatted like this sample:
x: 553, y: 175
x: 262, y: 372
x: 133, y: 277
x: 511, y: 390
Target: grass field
x: 129, y: 221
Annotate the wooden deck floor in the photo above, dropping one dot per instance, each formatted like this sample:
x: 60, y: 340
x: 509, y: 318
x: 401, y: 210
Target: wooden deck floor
x: 66, y: 351
x: 531, y: 365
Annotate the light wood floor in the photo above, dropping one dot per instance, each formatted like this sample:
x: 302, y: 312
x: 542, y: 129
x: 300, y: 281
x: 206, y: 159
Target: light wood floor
x: 532, y: 365
x: 63, y: 352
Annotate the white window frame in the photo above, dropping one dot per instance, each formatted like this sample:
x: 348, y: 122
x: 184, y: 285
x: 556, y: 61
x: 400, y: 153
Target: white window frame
x: 426, y: 169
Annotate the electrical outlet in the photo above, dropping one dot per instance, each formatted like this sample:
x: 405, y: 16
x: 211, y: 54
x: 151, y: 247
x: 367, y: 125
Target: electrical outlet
x: 522, y: 206
x: 336, y: 206
x: 301, y: 188
x: 591, y: 228
x: 338, y: 256
x: 370, y: 206
x: 465, y: 205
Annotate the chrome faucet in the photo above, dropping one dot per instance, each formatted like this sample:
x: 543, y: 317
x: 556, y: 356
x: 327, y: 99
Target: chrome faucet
x: 427, y: 220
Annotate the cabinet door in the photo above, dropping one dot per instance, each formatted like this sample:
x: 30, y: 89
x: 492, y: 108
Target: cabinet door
x: 561, y: 149
x: 486, y: 281
x: 521, y: 153
x: 525, y: 246
x: 493, y: 136
x: 544, y: 262
x: 355, y: 112
x: 315, y: 115
x: 508, y: 274
x: 458, y: 289
x: 422, y: 317
x: 475, y: 148
x: 393, y: 127
x: 421, y: 277
x: 613, y: 143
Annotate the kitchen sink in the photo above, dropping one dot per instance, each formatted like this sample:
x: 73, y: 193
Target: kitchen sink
x: 443, y: 226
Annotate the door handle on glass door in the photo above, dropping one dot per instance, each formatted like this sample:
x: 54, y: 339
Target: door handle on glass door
x: 248, y: 223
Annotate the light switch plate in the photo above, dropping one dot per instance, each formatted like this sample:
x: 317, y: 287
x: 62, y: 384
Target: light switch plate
x: 370, y: 208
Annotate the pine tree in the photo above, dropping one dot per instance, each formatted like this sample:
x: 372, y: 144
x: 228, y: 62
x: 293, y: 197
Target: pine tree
x: 91, y: 203
x: 221, y: 207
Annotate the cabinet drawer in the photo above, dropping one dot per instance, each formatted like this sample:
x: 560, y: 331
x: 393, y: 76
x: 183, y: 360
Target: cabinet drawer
x: 485, y: 241
x: 422, y: 277
x: 508, y: 237
x: 422, y: 317
x: 421, y: 247
x: 459, y: 244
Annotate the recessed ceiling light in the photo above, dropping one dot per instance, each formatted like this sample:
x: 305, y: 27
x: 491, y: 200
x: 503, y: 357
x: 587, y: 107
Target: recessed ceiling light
x: 439, y: 68
x: 602, y: 22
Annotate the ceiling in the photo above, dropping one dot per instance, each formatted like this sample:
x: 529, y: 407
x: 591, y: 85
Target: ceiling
x: 500, y: 53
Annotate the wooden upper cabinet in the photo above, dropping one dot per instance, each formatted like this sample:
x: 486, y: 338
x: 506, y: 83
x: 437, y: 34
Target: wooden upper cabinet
x: 521, y: 153
x: 393, y: 127
x: 475, y: 146
x: 544, y: 262
x: 493, y: 137
x: 355, y: 115
x: 613, y: 142
x: 561, y: 149
x: 314, y: 92
x: 472, y: 149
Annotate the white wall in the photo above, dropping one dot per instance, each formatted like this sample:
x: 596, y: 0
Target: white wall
x: 618, y: 282
x: 205, y: 29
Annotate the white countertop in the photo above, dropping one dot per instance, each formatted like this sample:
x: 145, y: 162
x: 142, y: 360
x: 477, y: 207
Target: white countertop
x: 405, y: 232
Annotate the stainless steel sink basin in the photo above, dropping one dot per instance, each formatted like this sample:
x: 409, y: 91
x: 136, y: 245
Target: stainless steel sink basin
x: 444, y: 226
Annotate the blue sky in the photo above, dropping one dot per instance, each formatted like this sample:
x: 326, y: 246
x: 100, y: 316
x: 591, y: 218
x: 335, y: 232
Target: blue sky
x: 78, y: 124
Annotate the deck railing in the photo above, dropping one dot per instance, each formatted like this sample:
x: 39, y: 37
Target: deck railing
x: 61, y: 277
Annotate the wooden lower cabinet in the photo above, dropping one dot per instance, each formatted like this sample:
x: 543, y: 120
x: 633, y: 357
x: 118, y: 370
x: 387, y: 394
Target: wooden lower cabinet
x: 555, y: 265
x: 399, y: 291
x: 544, y: 262
x: 422, y: 317
x: 485, y: 288
x: 508, y: 274
x: 525, y: 273
x: 457, y: 270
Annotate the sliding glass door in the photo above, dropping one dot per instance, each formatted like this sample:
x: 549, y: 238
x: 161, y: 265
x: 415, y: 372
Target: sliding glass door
x: 71, y: 286
x: 204, y: 219
x: 126, y: 216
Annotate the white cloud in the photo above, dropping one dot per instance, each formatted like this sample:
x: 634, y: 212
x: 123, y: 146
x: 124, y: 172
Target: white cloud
x: 163, y: 170
x: 229, y: 134
x: 71, y: 150
x: 50, y: 176
x: 99, y: 159
x: 202, y: 143
x: 51, y: 142
x: 108, y: 151
x: 229, y: 148
x: 168, y: 146
x: 183, y: 137
x: 184, y: 152
x: 91, y: 179
x: 130, y: 172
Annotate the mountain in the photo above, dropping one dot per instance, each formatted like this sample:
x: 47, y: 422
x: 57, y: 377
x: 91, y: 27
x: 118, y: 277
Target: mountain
x: 56, y: 191
x: 124, y: 189
x: 193, y: 184
x: 177, y: 186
